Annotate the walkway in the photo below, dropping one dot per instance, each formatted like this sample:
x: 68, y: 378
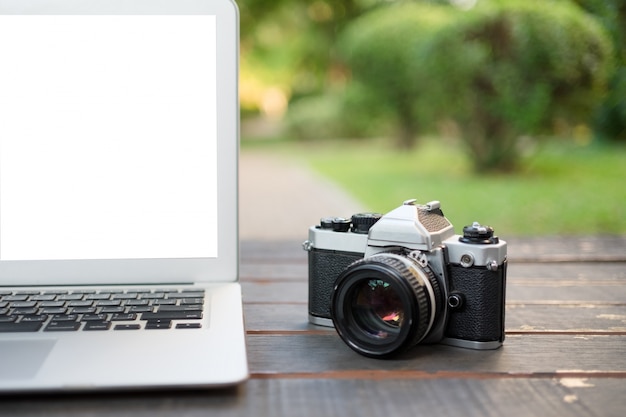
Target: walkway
x: 280, y: 199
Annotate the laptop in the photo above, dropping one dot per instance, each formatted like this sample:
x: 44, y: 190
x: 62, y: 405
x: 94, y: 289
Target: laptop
x: 118, y: 195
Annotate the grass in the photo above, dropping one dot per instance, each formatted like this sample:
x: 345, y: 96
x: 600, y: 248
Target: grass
x: 564, y: 189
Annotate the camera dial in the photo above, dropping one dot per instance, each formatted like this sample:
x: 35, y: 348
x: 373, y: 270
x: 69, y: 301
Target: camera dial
x: 478, y: 234
x: 337, y: 224
x: 362, y: 222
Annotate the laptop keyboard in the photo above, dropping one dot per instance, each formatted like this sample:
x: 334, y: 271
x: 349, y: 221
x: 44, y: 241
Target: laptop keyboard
x: 102, y: 310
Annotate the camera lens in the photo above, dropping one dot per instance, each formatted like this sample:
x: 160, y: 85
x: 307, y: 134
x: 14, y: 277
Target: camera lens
x: 377, y: 308
x: 384, y: 304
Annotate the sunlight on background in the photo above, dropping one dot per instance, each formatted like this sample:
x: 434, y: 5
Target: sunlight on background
x: 512, y: 110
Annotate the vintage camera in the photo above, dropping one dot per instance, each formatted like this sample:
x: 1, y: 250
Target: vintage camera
x: 388, y: 282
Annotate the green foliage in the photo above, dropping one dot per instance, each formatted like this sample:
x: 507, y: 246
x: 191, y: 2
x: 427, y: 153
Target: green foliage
x: 337, y: 114
x: 610, y: 118
x: 291, y: 44
x: 501, y: 70
x: 567, y: 189
x: 380, y: 50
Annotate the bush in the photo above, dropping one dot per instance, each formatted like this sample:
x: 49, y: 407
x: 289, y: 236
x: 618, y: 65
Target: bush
x: 336, y: 114
x: 380, y: 50
x: 500, y: 71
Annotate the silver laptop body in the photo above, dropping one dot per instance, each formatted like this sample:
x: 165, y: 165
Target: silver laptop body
x: 118, y: 195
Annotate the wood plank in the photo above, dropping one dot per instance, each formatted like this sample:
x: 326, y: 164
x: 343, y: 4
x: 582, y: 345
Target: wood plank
x: 524, y: 292
x: 323, y: 355
x: 570, y: 283
x: 520, y: 318
x: 273, y: 272
x: 594, y: 273
x: 273, y: 251
x: 591, y: 272
x: 554, y: 292
x: 582, y: 319
x: 546, y: 397
x: 566, y: 248
x: 520, y: 249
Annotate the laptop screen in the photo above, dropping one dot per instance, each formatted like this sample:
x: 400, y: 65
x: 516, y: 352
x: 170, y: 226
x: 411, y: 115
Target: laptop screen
x: 108, y: 137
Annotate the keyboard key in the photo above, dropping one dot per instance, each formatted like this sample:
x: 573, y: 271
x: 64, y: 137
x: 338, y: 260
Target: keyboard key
x: 34, y: 318
x: 108, y: 303
x: 180, y: 308
x: 97, y: 325
x: 53, y: 310
x: 137, y: 303
x: 23, y: 311
x: 189, y: 326
x: 62, y: 326
x: 32, y: 292
x: 124, y: 317
x: 20, y: 327
x: 23, y: 304
x: 165, y: 302
x: 127, y: 327
x: 15, y: 298
x: 172, y: 315
x: 141, y: 309
x: 83, y: 310
x: 126, y: 296
x: 99, y: 296
x: 81, y: 303
x: 65, y: 317
x: 43, y: 297
x: 187, y: 301
x: 112, y: 310
x: 70, y: 297
x: 52, y: 304
x: 158, y: 324
x: 94, y: 317
x: 154, y: 296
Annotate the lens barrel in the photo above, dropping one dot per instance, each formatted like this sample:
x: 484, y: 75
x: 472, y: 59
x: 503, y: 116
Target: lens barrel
x: 385, y: 304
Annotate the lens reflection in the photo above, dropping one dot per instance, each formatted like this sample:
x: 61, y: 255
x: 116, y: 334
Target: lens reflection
x: 377, y: 308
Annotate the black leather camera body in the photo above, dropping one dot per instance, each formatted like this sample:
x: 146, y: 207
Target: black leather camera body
x: 389, y: 282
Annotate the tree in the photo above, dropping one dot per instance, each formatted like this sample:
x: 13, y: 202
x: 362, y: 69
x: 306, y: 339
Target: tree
x: 289, y: 46
x: 380, y: 49
x: 501, y: 70
x: 610, y: 116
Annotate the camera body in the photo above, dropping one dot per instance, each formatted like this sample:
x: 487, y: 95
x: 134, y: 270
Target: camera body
x: 388, y: 282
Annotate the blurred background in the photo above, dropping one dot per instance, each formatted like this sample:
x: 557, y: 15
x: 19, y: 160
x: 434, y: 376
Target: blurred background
x: 509, y: 112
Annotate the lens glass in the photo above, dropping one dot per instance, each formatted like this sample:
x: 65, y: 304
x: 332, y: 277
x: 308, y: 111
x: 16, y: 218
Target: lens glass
x: 377, y: 309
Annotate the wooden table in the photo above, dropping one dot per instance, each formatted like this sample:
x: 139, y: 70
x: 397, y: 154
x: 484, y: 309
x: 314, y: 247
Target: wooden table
x: 564, y: 354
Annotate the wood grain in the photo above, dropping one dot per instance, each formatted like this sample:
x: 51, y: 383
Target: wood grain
x: 566, y: 322
x: 520, y: 318
x: 521, y: 354
x: 564, y: 354
x: 546, y: 397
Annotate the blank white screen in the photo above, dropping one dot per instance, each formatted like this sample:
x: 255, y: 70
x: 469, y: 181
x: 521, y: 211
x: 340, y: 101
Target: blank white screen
x: 107, y: 137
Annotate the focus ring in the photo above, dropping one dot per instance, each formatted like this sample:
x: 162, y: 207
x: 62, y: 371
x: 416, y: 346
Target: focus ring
x: 422, y: 299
